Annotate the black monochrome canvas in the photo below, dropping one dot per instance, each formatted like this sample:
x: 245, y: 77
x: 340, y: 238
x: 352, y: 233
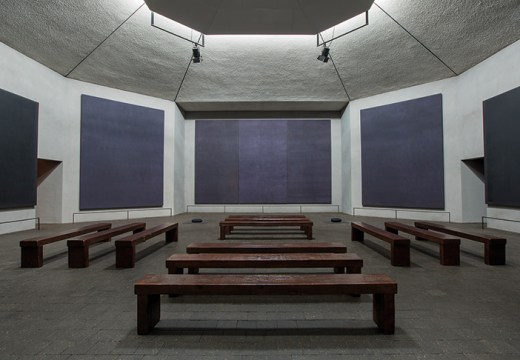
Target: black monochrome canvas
x: 263, y: 162
x: 122, y: 155
x: 18, y: 151
x: 502, y: 149
x: 402, y: 154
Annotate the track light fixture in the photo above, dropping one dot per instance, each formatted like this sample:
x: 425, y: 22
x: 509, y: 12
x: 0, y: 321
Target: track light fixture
x: 324, y: 54
x: 196, y: 55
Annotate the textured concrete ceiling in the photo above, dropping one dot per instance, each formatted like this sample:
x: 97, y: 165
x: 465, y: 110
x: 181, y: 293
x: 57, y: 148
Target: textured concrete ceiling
x: 111, y: 43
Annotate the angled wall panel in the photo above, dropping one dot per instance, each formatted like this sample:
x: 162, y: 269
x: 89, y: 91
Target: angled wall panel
x: 263, y: 162
x: 216, y: 162
x: 122, y: 155
x: 309, y: 162
x: 18, y: 151
x: 402, y: 154
x: 502, y: 149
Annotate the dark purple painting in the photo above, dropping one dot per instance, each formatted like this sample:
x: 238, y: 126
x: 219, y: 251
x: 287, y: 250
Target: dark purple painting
x: 263, y: 162
x: 402, y: 154
x: 502, y: 149
x: 216, y: 162
x: 309, y: 168
x: 18, y: 151
x: 122, y: 155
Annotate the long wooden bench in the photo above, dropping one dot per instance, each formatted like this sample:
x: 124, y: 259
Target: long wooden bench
x: 399, y: 246
x: 149, y: 289
x: 79, y: 248
x: 227, y: 225
x: 494, y: 246
x: 32, y: 249
x: 265, y: 217
x: 176, y: 263
x: 266, y: 248
x: 125, y: 248
x: 449, y: 247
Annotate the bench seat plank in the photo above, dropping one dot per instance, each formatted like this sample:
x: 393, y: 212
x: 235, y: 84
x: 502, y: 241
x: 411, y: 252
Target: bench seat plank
x: 125, y: 248
x: 78, y: 253
x: 399, y: 246
x: 32, y: 249
x: 149, y: 289
x: 227, y: 225
x: 494, y: 246
x: 449, y: 247
x: 176, y: 263
x: 246, y: 247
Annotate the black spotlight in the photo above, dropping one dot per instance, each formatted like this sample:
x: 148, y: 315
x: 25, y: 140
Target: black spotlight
x: 196, y: 55
x: 324, y: 55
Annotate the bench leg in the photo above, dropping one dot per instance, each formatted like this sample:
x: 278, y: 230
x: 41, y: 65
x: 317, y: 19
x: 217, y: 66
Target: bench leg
x: 309, y: 232
x: 449, y: 254
x: 172, y: 235
x: 339, y: 270
x: 175, y: 270
x: 223, y: 232
x: 125, y: 256
x: 392, y: 230
x: 148, y: 312
x: 495, y: 254
x: 384, y: 312
x: 357, y: 235
x: 78, y: 257
x: 32, y: 256
x: 399, y: 254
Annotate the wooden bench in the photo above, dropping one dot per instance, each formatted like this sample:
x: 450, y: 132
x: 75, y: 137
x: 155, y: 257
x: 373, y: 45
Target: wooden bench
x: 227, y: 225
x: 268, y: 216
x: 32, y: 249
x: 399, y: 246
x: 149, y: 289
x: 263, y: 248
x: 176, y: 263
x: 449, y: 247
x: 265, y: 217
x: 125, y: 248
x: 79, y: 248
x: 494, y: 247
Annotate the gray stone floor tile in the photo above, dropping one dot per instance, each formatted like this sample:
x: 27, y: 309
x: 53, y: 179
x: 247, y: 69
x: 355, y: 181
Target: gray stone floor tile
x: 455, y: 313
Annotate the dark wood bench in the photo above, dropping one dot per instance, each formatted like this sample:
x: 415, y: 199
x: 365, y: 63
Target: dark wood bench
x: 263, y: 248
x: 399, y: 246
x: 176, y: 263
x: 125, y: 248
x: 227, y: 225
x: 32, y: 249
x: 265, y: 217
x: 149, y: 289
x: 268, y: 216
x: 79, y: 248
x: 494, y: 246
x: 449, y: 247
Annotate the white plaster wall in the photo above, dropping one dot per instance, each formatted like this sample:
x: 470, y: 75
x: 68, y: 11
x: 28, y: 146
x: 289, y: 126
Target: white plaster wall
x: 336, y: 190
x: 179, y: 164
x: 463, y: 135
x: 494, y: 76
x: 346, y: 201
x: 451, y: 165
x: 59, y: 126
